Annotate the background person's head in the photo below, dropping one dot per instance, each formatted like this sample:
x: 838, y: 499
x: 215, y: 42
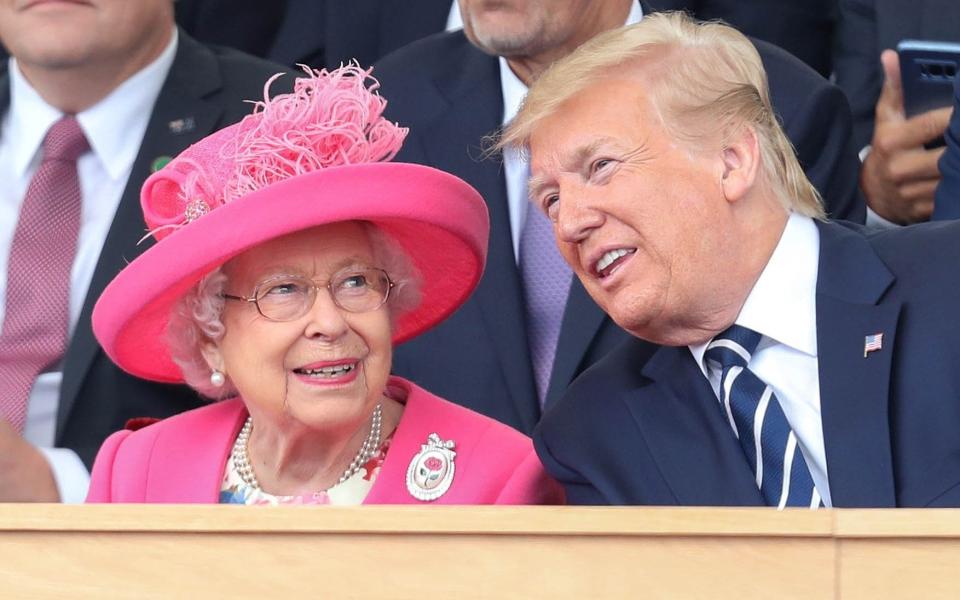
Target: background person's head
x: 531, y: 34
x: 655, y: 150
x: 75, y: 53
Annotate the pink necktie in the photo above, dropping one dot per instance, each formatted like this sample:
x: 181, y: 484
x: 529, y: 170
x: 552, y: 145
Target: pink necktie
x: 34, y: 334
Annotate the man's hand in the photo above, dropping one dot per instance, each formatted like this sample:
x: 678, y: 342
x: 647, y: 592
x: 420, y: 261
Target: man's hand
x: 899, y: 175
x: 25, y: 474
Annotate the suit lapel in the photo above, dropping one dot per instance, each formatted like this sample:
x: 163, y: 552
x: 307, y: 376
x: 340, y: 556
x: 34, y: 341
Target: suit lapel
x: 582, y: 319
x: 855, y: 389
x: 180, y: 117
x: 453, y: 142
x: 681, y: 421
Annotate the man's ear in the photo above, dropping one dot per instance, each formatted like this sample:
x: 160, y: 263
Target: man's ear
x: 212, y: 355
x: 741, y: 164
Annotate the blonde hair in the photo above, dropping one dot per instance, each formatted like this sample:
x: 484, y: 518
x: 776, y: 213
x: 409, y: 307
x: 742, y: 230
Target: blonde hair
x: 707, y: 83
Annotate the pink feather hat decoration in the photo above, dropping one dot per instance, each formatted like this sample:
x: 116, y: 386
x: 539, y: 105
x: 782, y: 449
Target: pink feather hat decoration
x: 315, y: 156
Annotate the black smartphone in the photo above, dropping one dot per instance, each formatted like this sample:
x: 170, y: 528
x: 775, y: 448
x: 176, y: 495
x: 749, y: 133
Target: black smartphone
x: 928, y: 70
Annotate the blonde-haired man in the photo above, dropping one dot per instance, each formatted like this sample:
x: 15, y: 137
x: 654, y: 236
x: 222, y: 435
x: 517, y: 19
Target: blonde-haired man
x: 804, y: 364
x: 529, y: 330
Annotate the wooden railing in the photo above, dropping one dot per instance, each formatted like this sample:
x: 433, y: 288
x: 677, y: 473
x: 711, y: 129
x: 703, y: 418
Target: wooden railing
x: 441, y: 553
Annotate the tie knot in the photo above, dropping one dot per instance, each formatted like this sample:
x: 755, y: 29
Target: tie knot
x: 65, y: 140
x: 733, y: 347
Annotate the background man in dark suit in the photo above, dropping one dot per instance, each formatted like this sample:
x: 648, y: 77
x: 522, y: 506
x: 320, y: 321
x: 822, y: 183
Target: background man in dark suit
x: 899, y: 175
x: 141, y: 93
x: 454, y: 89
x: 803, y: 362
x: 328, y: 32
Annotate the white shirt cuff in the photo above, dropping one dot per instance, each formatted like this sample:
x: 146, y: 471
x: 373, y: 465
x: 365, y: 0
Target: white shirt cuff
x: 875, y: 221
x: 73, y: 479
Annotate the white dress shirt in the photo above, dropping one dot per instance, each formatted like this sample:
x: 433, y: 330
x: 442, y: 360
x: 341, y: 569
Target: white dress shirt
x: 114, y: 127
x: 782, y: 308
x: 515, y: 169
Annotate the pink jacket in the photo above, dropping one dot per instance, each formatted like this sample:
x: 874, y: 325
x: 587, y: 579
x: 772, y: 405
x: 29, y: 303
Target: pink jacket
x: 182, y: 459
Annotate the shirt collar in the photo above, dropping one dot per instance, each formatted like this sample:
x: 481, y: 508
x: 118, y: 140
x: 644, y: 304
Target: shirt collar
x: 635, y: 14
x: 782, y: 304
x: 107, y: 124
x: 30, y: 118
x: 514, y: 90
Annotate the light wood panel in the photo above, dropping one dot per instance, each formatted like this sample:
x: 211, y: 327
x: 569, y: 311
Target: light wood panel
x: 895, y: 554
x: 53, y: 551
x: 896, y: 568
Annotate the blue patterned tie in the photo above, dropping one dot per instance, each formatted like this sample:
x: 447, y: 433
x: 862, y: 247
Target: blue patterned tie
x: 546, y: 284
x: 759, y: 423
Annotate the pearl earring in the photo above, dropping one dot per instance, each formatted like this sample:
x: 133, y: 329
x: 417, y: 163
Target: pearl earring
x: 217, y: 379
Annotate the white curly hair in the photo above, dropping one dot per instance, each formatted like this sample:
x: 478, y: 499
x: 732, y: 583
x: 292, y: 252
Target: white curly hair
x: 195, y: 320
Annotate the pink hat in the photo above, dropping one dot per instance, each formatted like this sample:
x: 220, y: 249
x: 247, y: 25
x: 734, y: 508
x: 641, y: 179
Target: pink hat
x: 309, y: 158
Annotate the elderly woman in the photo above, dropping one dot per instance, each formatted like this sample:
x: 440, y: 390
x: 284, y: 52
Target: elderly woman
x: 291, y: 257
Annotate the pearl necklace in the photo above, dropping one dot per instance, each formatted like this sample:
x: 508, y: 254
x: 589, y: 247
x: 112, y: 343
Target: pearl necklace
x: 241, y: 460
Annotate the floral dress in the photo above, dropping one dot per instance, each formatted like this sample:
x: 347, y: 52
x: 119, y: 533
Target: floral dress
x: 235, y: 490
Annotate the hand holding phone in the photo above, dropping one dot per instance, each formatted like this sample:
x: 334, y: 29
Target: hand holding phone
x: 899, y: 175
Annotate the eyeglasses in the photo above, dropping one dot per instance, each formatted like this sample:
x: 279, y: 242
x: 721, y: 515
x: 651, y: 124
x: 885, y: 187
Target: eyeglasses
x: 289, y: 297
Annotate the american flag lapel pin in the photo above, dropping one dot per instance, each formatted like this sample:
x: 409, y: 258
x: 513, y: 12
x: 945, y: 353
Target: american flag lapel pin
x: 872, y: 343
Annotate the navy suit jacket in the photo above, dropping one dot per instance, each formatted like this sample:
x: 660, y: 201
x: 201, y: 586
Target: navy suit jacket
x: 868, y: 27
x: 448, y: 93
x: 947, y: 202
x: 644, y: 426
x: 206, y: 89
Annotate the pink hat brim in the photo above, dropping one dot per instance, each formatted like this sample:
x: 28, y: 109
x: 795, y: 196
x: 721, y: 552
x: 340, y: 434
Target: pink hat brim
x: 439, y: 220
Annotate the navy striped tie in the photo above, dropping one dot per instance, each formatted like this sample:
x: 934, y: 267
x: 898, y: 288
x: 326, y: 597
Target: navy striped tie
x: 758, y: 421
